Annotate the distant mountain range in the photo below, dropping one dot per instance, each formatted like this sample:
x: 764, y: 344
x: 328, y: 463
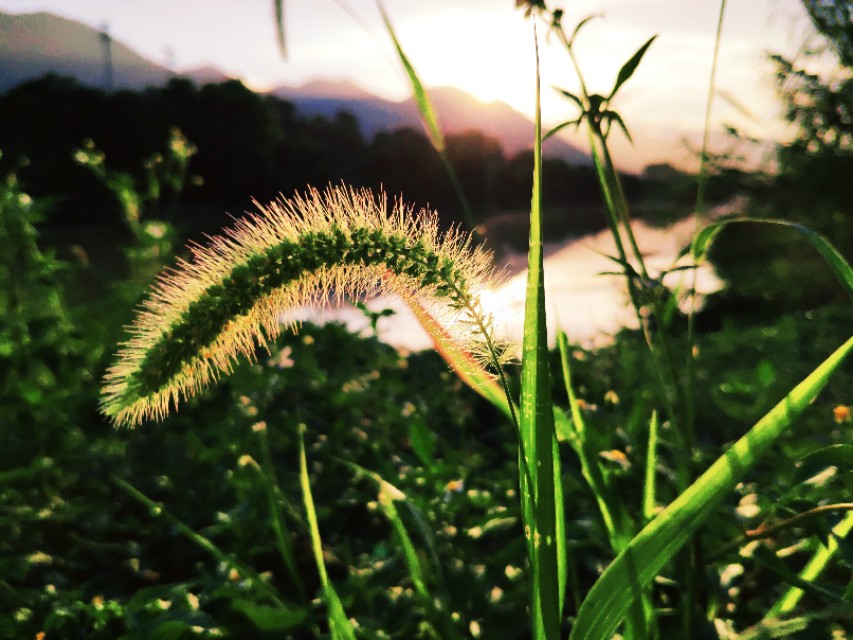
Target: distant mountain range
x: 32, y: 45
x: 35, y: 44
x: 457, y: 112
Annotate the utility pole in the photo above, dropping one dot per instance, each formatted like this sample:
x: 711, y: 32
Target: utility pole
x: 107, y: 42
x: 169, y: 54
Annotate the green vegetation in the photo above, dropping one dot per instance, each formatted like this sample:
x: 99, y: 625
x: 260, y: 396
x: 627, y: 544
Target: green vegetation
x: 690, y: 480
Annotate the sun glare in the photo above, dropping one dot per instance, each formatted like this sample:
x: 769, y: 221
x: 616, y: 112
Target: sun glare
x: 498, y: 68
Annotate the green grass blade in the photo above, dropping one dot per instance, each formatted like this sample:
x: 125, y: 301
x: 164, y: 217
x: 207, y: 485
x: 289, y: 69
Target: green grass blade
x: 205, y: 543
x: 279, y: 27
x: 279, y: 524
x: 769, y: 561
x: 814, y: 567
x: 421, y: 96
x: 387, y: 496
x: 472, y: 373
x: 429, y: 118
x: 537, y: 425
x: 629, y: 67
x: 774, y: 628
x: 610, y: 597
x: 839, y: 265
x: 338, y: 623
x: 581, y: 24
x: 649, y: 486
x: 702, y: 180
x: 616, y: 523
x: 559, y: 526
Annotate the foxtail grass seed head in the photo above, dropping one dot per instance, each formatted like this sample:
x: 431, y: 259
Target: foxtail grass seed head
x: 228, y: 298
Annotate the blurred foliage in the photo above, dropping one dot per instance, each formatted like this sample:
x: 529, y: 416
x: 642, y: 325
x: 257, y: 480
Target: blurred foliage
x: 43, y: 358
x: 834, y: 19
x: 812, y: 186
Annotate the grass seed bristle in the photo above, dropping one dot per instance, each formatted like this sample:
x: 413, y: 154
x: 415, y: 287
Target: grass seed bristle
x: 227, y: 299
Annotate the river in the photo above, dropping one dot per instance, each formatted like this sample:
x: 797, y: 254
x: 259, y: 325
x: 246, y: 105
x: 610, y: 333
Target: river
x: 589, y: 306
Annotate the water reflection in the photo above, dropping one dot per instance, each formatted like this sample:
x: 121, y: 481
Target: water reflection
x: 589, y: 306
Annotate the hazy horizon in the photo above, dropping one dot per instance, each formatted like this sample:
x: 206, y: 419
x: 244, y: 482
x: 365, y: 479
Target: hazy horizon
x: 663, y: 104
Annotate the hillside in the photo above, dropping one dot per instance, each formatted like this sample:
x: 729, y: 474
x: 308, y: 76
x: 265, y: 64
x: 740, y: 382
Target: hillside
x: 34, y: 44
x: 457, y: 112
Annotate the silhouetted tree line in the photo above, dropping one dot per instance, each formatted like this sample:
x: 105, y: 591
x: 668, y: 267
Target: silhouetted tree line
x: 258, y: 146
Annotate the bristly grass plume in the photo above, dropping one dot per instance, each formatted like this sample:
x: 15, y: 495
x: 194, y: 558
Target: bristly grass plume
x: 229, y: 296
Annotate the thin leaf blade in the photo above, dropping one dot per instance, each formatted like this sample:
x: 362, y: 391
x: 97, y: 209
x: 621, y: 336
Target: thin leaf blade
x: 611, y: 596
x: 537, y: 424
x: 279, y: 27
x: 629, y: 67
x: 339, y: 624
x: 582, y: 24
x: 837, y: 262
x: 422, y: 99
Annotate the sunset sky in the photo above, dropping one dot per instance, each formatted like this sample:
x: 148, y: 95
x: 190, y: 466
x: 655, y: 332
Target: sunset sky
x: 484, y: 47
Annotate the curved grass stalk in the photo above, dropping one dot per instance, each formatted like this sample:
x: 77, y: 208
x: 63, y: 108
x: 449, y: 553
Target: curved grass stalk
x: 266, y: 471
x: 702, y: 180
x: 388, y: 495
x: 228, y: 298
x: 339, y: 625
x: 839, y: 265
x: 244, y: 571
x: 429, y: 119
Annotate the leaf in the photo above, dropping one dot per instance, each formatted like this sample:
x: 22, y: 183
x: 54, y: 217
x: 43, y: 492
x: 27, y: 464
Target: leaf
x: 279, y: 27
x: 571, y: 96
x: 145, y: 596
x: 536, y: 425
x: 171, y: 630
x: 836, y: 262
x: 772, y: 562
x: 339, y: 624
x: 581, y: 24
x: 612, y: 117
x: 745, y: 111
x: 838, y: 455
x: 421, y: 97
x: 560, y: 127
x: 814, y: 567
x: 464, y: 365
x: 612, y: 594
x: 430, y: 121
x: 775, y: 628
x: 269, y: 619
x: 422, y: 440
x: 629, y: 67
